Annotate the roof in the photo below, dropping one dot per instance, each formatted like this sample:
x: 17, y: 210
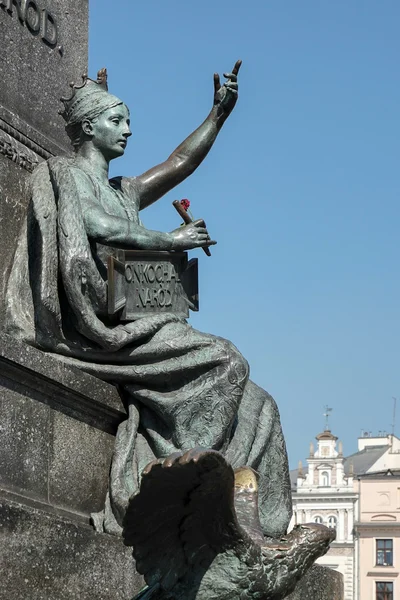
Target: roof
x: 382, y: 474
x: 326, y: 435
x: 363, y: 460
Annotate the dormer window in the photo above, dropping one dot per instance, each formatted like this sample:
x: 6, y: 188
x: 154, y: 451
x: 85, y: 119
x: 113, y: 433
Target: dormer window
x: 324, y: 479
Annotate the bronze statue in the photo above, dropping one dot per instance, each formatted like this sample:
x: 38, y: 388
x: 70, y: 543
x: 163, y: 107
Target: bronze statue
x: 205, y: 541
x: 181, y: 388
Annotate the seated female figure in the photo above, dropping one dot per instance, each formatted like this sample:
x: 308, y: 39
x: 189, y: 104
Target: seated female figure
x: 181, y: 388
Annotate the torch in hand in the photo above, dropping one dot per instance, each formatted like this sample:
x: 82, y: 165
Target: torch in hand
x: 182, y: 209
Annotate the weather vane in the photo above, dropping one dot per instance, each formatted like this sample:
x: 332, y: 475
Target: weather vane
x: 327, y: 415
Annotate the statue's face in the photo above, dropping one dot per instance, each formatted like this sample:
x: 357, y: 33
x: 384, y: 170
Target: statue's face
x: 110, y: 131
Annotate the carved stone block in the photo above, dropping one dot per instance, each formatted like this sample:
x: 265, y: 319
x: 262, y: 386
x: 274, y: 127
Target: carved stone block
x: 57, y: 431
x: 45, y: 556
x: 320, y: 583
x: 44, y: 46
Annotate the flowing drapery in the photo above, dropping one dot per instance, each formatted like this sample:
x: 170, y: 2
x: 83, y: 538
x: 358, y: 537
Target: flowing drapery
x: 181, y: 388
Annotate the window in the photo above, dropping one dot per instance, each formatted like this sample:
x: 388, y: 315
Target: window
x: 325, y: 479
x: 332, y: 522
x: 384, y: 590
x: 318, y: 520
x: 384, y: 553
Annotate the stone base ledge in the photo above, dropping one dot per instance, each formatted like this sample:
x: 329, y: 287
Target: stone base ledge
x: 57, y: 431
x: 69, y: 390
x: 45, y: 557
x: 29, y: 136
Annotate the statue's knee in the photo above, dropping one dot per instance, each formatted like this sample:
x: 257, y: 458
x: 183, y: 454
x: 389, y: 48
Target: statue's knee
x: 234, y: 359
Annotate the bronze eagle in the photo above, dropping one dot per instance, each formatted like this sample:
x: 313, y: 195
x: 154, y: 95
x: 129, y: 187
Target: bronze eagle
x: 196, y: 535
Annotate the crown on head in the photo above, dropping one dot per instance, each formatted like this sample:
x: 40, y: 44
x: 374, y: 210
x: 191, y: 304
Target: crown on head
x: 81, y: 92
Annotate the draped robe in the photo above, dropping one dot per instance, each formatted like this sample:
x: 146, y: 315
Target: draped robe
x: 181, y: 388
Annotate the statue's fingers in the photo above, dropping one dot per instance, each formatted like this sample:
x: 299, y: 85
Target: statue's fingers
x: 204, y: 240
x: 230, y: 76
x: 153, y: 463
x: 232, y: 85
x: 199, y: 223
x: 217, y: 83
x: 172, y: 459
x: 191, y: 455
x: 237, y: 66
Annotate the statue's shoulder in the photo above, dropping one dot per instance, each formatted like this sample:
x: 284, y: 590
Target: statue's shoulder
x: 124, y: 184
x: 129, y: 189
x: 56, y: 162
x: 60, y: 164
x: 127, y: 185
x: 51, y: 166
x: 65, y: 172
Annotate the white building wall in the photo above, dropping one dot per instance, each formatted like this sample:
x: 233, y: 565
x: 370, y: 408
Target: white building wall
x: 339, y: 499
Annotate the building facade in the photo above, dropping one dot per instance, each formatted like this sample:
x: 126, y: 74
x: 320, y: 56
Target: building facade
x: 324, y: 493
x: 377, y: 536
x: 360, y: 497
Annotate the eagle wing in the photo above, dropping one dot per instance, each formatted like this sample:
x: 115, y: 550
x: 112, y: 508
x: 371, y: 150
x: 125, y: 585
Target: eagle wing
x: 182, y: 517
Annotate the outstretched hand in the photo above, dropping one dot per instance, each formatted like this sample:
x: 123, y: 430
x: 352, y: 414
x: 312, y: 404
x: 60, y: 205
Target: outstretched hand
x: 226, y: 95
x: 193, y: 235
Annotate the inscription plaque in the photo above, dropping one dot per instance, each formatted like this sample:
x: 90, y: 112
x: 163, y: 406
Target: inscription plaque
x: 145, y: 283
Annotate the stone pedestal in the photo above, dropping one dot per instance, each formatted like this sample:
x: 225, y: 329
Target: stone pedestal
x: 46, y: 556
x: 320, y: 583
x: 57, y: 425
x: 57, y: 430
x: 44, y: 46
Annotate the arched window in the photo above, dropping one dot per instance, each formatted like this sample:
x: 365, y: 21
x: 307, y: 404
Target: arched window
x: 332, y: 522
x: 318, y: 519
x: 324, y: 479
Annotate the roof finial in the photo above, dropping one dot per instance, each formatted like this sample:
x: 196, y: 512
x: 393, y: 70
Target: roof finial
x: 327, y: 415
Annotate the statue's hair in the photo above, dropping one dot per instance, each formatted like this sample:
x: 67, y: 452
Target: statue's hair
x: 88, y: 101
x: 75, y: 134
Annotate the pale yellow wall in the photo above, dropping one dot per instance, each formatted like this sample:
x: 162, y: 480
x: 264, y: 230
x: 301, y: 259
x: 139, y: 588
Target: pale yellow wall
x: 380, y: 507
x: 379, y: 496
x: 369, y: 572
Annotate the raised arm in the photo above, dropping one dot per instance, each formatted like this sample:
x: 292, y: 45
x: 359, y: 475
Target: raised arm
x: 156, y: 182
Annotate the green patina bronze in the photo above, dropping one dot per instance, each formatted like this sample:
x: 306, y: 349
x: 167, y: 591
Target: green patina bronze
x: 182, y: 388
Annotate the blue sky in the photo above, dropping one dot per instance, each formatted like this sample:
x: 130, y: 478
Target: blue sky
x: 301, y: 189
